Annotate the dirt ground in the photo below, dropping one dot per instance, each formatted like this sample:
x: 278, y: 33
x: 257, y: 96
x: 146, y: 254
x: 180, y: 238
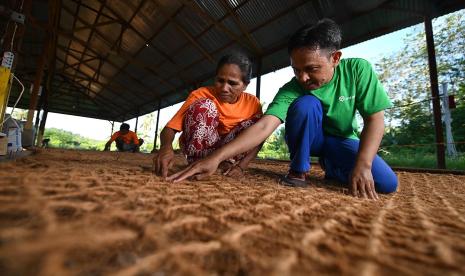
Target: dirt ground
x: 93, y: 213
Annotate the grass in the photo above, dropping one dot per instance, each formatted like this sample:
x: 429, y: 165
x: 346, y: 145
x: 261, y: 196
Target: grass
x: 423, y: 160
x: 406, y: 158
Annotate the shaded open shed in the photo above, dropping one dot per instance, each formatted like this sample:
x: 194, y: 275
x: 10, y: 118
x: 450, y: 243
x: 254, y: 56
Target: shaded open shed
x: 117, y: 60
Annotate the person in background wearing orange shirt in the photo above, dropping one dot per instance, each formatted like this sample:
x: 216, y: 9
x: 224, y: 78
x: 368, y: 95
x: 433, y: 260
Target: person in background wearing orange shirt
x: 212, y: 117
x: 125, y: 139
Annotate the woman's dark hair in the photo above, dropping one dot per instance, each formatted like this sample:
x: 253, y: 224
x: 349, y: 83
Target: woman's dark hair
x: 124, y: 126
x: 325, y: 34
x: 244, y: 63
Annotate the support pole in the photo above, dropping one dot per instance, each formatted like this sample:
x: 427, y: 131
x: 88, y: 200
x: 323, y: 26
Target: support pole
x: 54, y: 8
x: 40, y: 105
x: 137, y: 122
x: 433, y: 74
x: 44, y: 104
x: 35, y: 89
x: 37, y: 81
x: 259, y: 77
x: 42, y: 126
x: 112, y: 126
x: 36, y: 124
x: 156, y: 126
x: 450, y: 145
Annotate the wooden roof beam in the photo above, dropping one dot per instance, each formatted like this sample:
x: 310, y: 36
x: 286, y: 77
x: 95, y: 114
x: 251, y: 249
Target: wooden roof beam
x: 184, y: 32
x: 92, y: 29
x: 100, y: 24
x: 127, y: 57
x: 220, y: 26
x: 108, y: 61
x: 80, y: 3
x: 154, y: 47
x: 241, y: 26
x: 88, y: 78
x: 79, y: 63
x: 97, y: 96
x: 148, y: 40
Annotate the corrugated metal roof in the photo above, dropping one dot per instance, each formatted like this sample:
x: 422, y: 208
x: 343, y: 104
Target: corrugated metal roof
x: 117, y: 59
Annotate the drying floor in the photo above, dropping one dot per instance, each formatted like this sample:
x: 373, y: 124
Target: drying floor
x: 93, y: 213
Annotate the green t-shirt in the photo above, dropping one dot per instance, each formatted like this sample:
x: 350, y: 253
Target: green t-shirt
x: 354, y: 86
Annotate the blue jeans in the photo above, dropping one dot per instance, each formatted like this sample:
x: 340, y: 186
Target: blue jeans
x: 305, y: 138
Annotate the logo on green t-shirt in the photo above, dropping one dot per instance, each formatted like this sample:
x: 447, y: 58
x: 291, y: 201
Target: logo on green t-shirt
x: 346, y: 98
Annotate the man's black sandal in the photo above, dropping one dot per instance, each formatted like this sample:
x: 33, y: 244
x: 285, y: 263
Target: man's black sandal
x: 293, y: 182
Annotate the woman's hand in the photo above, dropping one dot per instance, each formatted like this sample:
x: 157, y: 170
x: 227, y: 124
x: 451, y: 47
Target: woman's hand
x: 198, y: 170
x: 234, y: 171
x: 163, y: 161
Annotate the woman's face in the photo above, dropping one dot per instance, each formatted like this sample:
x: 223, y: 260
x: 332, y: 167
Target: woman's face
x: 229, y: 84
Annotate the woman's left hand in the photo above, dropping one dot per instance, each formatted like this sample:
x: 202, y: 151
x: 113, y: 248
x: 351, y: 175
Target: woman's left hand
x: 234, y: 171
x: 198, y: 170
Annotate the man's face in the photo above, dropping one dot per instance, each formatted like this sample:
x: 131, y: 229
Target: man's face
x: 124, y: 131
x: 314, y: 68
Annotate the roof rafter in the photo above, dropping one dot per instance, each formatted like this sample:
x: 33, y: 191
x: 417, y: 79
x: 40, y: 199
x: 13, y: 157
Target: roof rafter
x: 95, y: 99
x: 92, y: 29
x: 80, y: 3
x: 97, y: 96
x: 241, y: 26
x: 121, y: 53
x: 219, y: 25
x: 164, y: 81
x: 108, y: 61
x: 184, y: 32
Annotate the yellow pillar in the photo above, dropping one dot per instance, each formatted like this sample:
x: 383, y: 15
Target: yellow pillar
x: 4, y: 91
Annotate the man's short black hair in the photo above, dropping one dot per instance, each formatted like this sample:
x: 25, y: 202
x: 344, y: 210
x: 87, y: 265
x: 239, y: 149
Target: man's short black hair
x: 242, y: 61
x: 124, y: 126
x: 325, y: 34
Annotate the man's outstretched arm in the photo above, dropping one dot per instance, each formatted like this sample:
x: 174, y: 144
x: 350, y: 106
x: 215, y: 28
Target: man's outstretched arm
x: 361, y: 180
x: 248, y: 139
x: 108, y: 145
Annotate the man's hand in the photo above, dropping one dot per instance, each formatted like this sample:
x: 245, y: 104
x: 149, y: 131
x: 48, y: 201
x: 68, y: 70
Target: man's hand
x: 199, y: 170
x: 163, y: 161
x: 362, y: 183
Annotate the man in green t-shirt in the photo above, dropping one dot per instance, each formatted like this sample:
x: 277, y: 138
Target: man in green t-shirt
x: 318, y: 106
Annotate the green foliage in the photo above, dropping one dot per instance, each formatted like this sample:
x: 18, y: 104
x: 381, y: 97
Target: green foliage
x: 65, y: 139
x: 405, y: 75
x: 419, y: 157
x: 275, y: 146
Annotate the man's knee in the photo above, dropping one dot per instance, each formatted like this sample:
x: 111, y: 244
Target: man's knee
x: 304, y: 105
x: 387, y: 184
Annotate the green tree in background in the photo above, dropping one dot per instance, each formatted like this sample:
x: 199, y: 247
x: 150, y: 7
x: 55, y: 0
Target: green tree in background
x: 405, y: 75
x: 144, y: 132
x: 65, y: 139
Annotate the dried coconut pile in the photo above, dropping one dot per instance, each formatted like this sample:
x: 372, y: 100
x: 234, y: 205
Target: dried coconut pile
x: 92, y: 213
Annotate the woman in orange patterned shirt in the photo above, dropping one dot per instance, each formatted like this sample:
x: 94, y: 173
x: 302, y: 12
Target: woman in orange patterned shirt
x: 213, y: 116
